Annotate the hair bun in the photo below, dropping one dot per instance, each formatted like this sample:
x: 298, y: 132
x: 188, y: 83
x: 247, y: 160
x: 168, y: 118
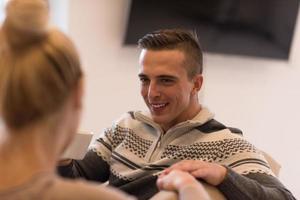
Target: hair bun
x: 30, y: 16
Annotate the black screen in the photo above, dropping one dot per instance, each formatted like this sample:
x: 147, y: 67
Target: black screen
x: 261, y: 28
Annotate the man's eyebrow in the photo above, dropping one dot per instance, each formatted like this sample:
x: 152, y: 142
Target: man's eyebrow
x: 142, y: 75
x: 168, y: 77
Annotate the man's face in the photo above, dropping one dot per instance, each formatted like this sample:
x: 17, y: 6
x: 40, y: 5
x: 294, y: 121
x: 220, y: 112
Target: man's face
x: 166, y: 88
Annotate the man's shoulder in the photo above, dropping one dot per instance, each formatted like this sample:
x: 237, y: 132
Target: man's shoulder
x: 213, y: 126
x: 214, y: 131
x: 125, y: 118
x: 80, y: 189
x: 129, y: 115
x: 132, y: 118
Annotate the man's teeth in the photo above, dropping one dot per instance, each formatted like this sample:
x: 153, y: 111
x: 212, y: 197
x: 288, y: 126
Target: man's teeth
x: 158, y: 105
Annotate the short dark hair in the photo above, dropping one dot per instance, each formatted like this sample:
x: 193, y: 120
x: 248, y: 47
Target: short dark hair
x: 183, y: 40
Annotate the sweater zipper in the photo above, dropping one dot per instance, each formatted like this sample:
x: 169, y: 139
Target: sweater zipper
x: 157, y: 145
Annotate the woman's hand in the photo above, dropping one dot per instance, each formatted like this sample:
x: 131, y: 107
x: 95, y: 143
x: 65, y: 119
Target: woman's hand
x: 175, y: 180
x: 212, y: 173
x: 64, y: 162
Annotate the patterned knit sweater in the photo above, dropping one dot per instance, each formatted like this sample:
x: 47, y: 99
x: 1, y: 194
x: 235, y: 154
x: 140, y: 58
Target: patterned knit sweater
x: 135, y: 150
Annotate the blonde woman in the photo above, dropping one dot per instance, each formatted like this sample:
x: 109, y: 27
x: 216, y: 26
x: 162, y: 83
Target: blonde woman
x: 41, y: 86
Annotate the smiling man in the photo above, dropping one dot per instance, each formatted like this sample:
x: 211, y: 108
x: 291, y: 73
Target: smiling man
x: 170, y: 94
x: 138, y: 146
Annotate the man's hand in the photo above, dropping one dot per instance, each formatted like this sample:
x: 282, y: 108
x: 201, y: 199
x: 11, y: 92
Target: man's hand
x: 212, y: 173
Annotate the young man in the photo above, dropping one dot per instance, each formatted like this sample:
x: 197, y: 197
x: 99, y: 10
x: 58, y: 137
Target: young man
x: 141, y: 144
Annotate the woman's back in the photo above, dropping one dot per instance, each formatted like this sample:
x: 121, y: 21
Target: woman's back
x: 46, y: 186
x: 40, y: 106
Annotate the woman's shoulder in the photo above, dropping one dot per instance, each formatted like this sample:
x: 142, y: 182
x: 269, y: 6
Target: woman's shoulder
x: 81, y: 189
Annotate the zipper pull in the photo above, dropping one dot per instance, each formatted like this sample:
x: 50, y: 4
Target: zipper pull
x: 159, y: 142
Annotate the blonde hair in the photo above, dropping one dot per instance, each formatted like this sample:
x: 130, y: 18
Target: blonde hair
x: 39, y: 67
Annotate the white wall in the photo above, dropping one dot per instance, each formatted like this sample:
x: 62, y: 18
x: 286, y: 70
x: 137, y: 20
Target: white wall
x: 259, y: 96
x: 58, y: 12
x: 2, y: 13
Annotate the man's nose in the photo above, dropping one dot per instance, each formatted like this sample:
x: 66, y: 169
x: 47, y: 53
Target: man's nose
x: 153, y: 90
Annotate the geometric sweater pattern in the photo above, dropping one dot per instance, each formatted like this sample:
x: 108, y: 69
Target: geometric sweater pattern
x: 136, y: 149
x: 131, y: 153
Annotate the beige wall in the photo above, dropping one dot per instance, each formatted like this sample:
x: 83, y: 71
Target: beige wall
x: 261, y: 97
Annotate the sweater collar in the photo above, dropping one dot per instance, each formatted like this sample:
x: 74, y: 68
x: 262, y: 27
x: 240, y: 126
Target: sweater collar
x: 203, y: 116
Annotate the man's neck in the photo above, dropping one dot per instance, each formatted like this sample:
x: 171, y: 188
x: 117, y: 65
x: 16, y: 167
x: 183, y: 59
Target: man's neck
x: 189, y: 116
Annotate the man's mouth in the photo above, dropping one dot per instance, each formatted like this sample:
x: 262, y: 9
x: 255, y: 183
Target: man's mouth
x: 158, y: 106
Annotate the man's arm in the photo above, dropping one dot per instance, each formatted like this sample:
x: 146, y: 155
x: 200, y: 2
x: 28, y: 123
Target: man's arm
x: 234, y: 186
x: 94, y: 166
x: 254, y: 186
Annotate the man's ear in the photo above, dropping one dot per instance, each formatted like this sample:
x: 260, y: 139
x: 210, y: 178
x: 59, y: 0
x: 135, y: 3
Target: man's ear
x: 197, y: 81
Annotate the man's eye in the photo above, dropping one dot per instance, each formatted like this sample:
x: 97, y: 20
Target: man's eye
x: 166, y: 81
x: 143, y: 80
